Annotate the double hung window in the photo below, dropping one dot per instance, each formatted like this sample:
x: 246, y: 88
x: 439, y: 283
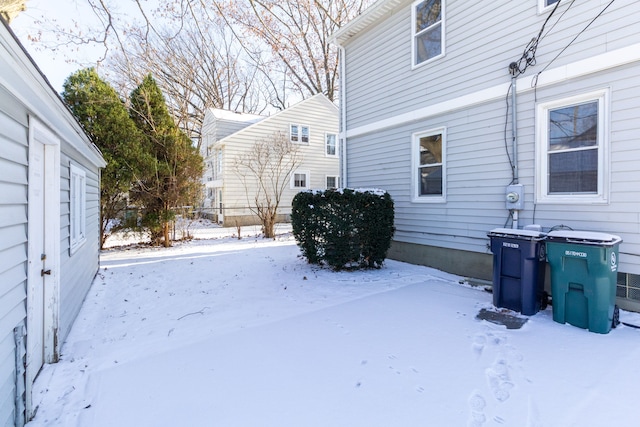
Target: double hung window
x: 572, y: 148
x: 331, y: 148
x: 427, y: 30
x: 429, y: 177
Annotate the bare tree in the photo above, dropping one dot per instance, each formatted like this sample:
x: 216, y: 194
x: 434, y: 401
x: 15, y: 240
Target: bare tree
x: 265, y: 171
x: 288, y: 40
x: 195, y: 69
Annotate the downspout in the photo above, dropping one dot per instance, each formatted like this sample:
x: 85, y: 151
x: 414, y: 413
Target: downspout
x: 343, y: 120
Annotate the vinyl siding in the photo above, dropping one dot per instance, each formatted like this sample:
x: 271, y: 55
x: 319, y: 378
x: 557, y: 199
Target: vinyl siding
x: 380, y: 84
x: 316, y: 112
x: 77, y: 270
x: 13, y: 247
x: 382, y: 80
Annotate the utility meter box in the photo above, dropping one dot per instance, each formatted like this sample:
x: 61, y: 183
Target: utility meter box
x: 515, y: 197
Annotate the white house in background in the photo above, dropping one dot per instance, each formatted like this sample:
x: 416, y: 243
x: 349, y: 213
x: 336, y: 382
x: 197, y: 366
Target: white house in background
x: 427, y: 114
x: 312, y: 124
x: 49, y: 225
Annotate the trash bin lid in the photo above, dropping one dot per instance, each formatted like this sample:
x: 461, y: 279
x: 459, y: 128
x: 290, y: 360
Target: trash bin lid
x: 516, y: 233
x: 584, y: 237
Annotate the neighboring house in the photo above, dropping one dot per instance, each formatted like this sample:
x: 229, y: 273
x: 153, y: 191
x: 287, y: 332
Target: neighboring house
x: 312, y: 124
x: 49, y: 225
x: 426, y: 113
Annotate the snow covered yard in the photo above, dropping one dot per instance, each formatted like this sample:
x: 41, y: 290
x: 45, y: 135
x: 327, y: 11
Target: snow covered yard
x: 227, y: 332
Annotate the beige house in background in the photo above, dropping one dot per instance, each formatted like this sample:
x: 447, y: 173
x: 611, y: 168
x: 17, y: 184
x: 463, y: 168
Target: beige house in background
x: 312, y: 124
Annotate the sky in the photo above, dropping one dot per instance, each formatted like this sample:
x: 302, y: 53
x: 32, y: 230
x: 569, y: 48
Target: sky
x: 42, y: 16
x: 220, y: 331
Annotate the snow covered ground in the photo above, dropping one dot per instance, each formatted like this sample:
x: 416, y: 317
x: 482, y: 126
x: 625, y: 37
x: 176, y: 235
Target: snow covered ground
x: 234, y: 333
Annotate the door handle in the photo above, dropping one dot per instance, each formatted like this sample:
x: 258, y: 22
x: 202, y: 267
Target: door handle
x: 43, y: 272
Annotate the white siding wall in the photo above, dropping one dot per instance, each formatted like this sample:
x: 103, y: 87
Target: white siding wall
x: 482, y: 38
x: 319, y: 114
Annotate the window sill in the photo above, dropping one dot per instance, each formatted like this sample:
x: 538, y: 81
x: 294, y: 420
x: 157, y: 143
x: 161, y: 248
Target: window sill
x: 572, y: 200
x: 73, y: 248
x: 428, y: 200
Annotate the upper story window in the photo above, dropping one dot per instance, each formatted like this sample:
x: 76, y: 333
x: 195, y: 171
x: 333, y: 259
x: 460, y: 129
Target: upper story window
x: 331, y: 148
x: 429, y: 182
x: 427, y: 30
x: 572, y: 146
x: 77, y: 208
x: 299, y: 134
x: 543, y: 5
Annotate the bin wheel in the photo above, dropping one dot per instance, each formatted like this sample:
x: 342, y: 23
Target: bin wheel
x: 616, y: 317
x: 544, y: 301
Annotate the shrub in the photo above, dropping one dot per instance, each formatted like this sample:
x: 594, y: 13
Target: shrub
x: 345, y: 228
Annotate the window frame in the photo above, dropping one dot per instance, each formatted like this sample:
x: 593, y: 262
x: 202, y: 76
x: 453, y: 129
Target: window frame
x: 77, y: 207
x: 299, y: 133
x: 415, y: 166
x: 326, y: 184
x: 326, y: 144
x: 307, y: 178
x: 545, y: 6
x: 542, y: 150
x: 414, y: 34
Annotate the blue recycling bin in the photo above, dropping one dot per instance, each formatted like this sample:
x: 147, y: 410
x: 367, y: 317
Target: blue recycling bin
x: 518, y: 269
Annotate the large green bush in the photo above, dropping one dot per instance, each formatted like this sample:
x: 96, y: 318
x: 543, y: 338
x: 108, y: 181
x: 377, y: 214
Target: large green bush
x: 345, y: 228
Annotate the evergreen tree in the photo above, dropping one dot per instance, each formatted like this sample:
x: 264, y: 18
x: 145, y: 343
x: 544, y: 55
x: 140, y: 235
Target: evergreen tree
x: 176, y: 169
x: 105, y: 118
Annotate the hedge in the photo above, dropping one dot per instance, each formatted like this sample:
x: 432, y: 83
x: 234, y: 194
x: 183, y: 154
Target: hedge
x: 345, y: 228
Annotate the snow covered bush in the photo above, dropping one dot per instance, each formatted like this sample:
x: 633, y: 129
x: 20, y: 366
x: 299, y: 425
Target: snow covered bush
x: 346, y: 228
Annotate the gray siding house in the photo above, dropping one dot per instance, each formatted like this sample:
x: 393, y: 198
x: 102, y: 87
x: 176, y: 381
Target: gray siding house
x: 311, y: 124
x: 49, y: 225
x: 433, y: 111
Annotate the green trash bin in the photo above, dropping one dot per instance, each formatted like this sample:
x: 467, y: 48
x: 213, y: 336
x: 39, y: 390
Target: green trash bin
x: 583, y: 267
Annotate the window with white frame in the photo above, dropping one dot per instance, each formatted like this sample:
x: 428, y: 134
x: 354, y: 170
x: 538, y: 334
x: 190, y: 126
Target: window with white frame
x: 427, y: 30
x: 544, y: 5
x: 332, y: 181
x: 299, y: 134
x: 429, y: 174
x: 572, y: 149
x: 77, y: 208
x: 300, y: 180
x: 330, y: 142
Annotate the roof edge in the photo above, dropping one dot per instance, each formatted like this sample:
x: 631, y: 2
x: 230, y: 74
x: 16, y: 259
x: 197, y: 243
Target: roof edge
x: 369, y: 17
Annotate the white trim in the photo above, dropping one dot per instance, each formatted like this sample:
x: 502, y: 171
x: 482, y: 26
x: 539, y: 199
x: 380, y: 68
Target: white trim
x: 337, y: 177
x: 415, y: 164
x: 77, y: 208
x: 299, y: 136
x: 342, y: 139
x: 605, y: 61
x: 335, y: 143
x: 414, y: 58
x: 307, y: 175
x: 39, y: 134
x: 542, y: 130
x: 543, y: 7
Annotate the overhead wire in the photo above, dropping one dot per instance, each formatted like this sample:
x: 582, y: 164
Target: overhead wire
x: 534, y: 82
